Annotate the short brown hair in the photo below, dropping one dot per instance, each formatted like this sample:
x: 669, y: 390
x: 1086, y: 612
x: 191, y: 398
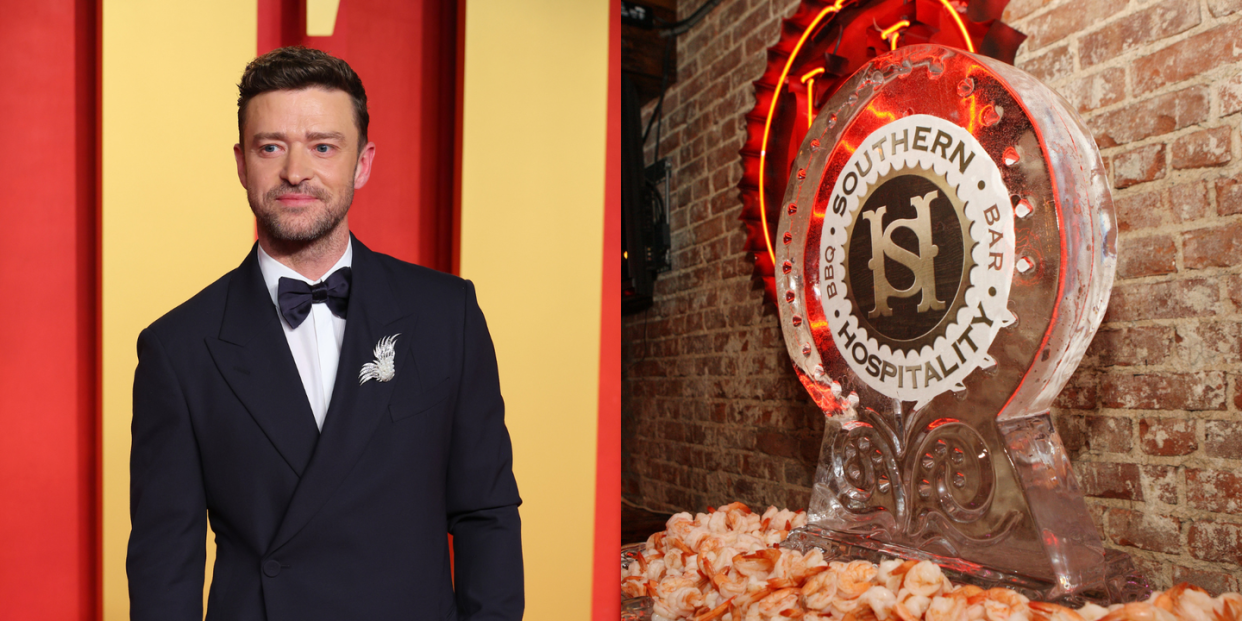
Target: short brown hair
x: 296, y: 68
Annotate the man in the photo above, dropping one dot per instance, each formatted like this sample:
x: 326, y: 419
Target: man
x: 333, y: 411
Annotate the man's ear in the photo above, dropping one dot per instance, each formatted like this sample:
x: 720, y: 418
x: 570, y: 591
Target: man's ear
x: 240, y: 156
x: 362, y: 172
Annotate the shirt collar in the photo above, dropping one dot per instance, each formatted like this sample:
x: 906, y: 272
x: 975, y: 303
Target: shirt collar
x: 274, y: 270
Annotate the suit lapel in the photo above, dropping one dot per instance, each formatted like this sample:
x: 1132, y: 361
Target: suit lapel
x: 355, y: 409
x: 253, y: 356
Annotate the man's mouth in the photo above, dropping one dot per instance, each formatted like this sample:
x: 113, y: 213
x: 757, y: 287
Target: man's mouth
x: 294, y: 198
x: 303, y: 196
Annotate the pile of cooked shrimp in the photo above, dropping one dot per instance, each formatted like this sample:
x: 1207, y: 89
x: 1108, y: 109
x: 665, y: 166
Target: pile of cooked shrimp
x: 725, y: 565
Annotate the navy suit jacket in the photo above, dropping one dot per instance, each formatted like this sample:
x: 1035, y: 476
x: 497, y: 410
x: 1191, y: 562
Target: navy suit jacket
x: 347, y: 523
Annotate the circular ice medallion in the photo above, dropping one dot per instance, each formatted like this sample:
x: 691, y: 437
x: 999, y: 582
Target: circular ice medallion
x: 917, y: 253
x: 946, y: 228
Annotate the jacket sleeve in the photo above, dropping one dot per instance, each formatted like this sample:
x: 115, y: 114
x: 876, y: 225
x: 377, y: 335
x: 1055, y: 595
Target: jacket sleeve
x: 482, y: 493
x: 167, y: 503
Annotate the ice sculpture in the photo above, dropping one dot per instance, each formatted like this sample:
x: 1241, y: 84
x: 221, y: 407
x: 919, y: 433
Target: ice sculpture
x: 945, y: 253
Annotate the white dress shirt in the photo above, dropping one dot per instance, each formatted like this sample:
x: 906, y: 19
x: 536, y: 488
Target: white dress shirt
x: 316, y: 342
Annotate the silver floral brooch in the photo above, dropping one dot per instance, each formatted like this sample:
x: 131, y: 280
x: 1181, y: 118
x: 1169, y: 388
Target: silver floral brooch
x: 384, y: 367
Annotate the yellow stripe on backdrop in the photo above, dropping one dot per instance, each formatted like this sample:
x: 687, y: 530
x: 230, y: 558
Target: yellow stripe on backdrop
x: 174, y: 216
x: 535, y: 110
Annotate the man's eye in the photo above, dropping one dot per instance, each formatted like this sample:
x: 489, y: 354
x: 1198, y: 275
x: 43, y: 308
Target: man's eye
x: 323, y: 148
x: 268, y: 148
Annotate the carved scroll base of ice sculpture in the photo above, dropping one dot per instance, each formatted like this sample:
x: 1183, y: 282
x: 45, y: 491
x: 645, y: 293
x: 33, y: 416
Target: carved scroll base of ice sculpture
x: 977, y: 497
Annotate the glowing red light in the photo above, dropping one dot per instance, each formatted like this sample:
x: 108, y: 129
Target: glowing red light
x: 767, y: 123
x: 961, y: 27
x: 808, y: 78
x: 893, y: 34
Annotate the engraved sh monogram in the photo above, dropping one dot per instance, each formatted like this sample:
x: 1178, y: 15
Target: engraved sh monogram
x: 922, y: 264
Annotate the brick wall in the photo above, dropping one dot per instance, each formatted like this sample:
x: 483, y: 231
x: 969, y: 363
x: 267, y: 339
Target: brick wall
x: 713, y: 413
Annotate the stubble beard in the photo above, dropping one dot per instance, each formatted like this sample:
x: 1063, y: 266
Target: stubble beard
x: 286, y: 229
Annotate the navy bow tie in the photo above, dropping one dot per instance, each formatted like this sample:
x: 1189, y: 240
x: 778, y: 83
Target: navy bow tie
x: 296, y: 297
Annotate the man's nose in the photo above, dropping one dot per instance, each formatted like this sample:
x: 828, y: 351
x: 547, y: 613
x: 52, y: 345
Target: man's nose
x: 297, y: 167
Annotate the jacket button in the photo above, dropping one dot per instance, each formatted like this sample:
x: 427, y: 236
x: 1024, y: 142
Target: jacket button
x: 271, y: 567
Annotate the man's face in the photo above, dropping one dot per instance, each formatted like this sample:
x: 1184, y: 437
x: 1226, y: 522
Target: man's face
x: 300, y: 161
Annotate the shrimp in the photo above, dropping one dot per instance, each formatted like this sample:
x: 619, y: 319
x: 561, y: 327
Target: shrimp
x: 634, y: 586
x: 736, y: 515
x: 797, y: 567
x: 709, y: 543
x: 861, y: 614
x: 679, y: 524
x: 758, y: 564
x: 694, y: 539
x: 945, y: 609
x: 688, y: 579
x: 924, y: 578
x: 711, y: 599
x: 778, y: 602
x: 815, y: 558
x: 892, y: 572
x: 636, y: 567
x: 1138, y: 611
x: 717, y: 612
x: 730, y: 583
x: 715, y: 561
x: 965, y: 591
x: 655, y: 543
x: 691, y: 563
x: 770, y: 513
x: 915, y: 605
x: 680, y: 594
x: 675, y: 561
x: 1230, y: 607
x: 742, y: 608
x: 841, y: 607
x: 773, y: 537
x: 1092, y: 612
x: 749, y: 543
x: 684, y: 600
x: 1044, y: 611
x: 660, y: 612
x: 752, y: 523
x: 900, y: 611
x: 783, y: 519
x: 855, y: 578
x: 881, y: 600
x: 1188, y: 602
x: 799, y: 520
x: 655, y: 569
x: 819, y: 591
x: 1002, y: 604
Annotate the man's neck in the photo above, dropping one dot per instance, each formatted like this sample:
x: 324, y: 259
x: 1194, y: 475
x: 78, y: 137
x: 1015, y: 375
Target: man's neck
x: 310, y: 259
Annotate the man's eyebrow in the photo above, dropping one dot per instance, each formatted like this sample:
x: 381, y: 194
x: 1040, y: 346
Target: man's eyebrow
x: 312, y: 136
x: 325, y: 136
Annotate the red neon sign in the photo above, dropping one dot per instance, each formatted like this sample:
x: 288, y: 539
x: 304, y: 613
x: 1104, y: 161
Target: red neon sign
x: 823, y: 45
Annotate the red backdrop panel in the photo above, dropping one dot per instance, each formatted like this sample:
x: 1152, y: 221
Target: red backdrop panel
x: 48, y: 339
x: 606, y: 598
x: 406, y: 52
